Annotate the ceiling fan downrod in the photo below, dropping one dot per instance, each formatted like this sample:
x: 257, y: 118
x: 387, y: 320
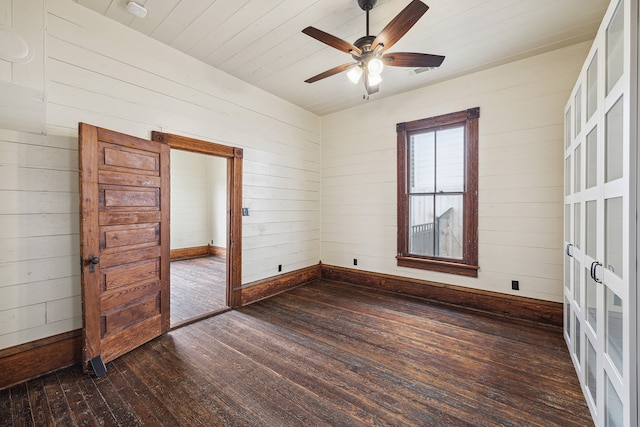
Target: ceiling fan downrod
x: 367, y: 5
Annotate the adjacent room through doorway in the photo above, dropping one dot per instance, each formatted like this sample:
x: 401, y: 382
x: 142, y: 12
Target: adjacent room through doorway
x: 198, y: 236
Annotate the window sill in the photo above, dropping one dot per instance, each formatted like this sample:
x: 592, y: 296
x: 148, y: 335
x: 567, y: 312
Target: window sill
x: 439, y: 266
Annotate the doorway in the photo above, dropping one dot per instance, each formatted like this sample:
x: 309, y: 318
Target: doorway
x: 210, y: 270
x: 198, y: 236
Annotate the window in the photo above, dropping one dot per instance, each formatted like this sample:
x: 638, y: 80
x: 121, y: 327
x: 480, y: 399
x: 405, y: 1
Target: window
x: 438, y: 193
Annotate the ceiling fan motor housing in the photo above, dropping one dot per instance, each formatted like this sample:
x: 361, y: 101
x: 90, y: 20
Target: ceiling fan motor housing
x: 366, y: 4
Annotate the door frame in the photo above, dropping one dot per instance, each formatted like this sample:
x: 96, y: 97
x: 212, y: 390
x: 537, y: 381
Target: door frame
x: 234, y: 156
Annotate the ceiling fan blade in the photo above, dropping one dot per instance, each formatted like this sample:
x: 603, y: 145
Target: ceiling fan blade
x: 410, y: 59
x: 329, y: 73
x: 399, y: 25
x: 330, y: 40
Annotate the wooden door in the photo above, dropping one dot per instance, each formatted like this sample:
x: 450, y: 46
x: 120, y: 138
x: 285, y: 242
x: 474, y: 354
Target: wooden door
x: 124, y: 233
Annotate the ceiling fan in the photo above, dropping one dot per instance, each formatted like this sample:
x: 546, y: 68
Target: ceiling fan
x: 368, y: 51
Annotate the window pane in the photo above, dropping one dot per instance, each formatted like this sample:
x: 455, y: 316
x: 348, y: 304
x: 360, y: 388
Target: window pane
x: 422, y: 163
x: 421, y: 225
x: 591, y: 238
x: 567, y: 223
x: 615, y: 48
x: 613, y: 319
x: 577, y: 169
x: 567, y: 129
x: 576, y: 281
x: 567, y: 274
x: 450, y: 159
x: 567, y: 318
x: 592, y: 158
x: 613, y: 235
x: 449, y: 226
x: 592, y: 303
x: 578, y: 113
x: 592, y: 87
x: 576, y: 225
x: 613, y: 414
x: 576, y: 339
x: 613, y: 142
x: 591, y: 370
x: 567, y: 176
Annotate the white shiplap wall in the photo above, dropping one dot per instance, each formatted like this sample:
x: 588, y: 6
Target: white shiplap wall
x: 198, y: 200
x: 520, y: 174
x: 99, y: 72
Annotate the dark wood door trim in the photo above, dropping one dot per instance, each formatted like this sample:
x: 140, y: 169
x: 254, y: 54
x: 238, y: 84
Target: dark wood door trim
x: 234, y: 157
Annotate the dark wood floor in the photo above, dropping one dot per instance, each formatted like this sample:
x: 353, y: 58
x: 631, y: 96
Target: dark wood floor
x: 322, y: 354
x: 198, y: 287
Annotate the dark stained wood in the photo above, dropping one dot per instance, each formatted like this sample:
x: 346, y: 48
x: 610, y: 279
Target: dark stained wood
x: 468, y: 266
x: 126, y: 294
x: 262, y: 289
x: 323, y: 354
x: 30, y: 360
x: 217, y: 251
x: 187, y: 253
x: 234, y: 156
x: 198, y: 288
x: 512, y: 306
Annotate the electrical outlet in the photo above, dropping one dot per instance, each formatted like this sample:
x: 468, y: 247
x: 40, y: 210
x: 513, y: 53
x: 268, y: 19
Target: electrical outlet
x: 279, y: 268
x: 355, y: 261
x: 515, y: 285
x: 245, y: 211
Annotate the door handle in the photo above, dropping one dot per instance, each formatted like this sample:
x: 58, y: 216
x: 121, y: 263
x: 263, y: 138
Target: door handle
x: 568, y: 249
x: 93, y: 260
x: 594, y: 276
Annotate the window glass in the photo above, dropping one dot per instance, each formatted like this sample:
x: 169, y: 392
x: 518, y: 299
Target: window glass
x: 613, y: 320
x: 591, y: 370
x: 592, y: 301
x: 615, y: 47
x: 577, y: 169
x: 613, y: 235
x: 437, y: 204
x: 578, y: 111
x: 614, y: 408
x: 592, y: 87
x: 450, y: 158
x: 567, y: 129
x: 423, y: 161
x: 592, y: 158
x: 591, y: 232
x: 613, y: 142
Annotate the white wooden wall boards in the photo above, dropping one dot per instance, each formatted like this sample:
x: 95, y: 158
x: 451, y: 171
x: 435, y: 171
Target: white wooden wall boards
x: 600, y: 293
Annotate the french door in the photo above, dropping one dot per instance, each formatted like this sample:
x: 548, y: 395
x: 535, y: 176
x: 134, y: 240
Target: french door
x: 600, y: 216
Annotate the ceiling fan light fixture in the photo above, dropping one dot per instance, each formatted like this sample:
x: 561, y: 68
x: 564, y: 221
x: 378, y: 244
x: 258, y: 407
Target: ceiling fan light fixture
x: 375, y: 66
x: 374, y: 79
x: 136, y: 10
x: 354, y: 74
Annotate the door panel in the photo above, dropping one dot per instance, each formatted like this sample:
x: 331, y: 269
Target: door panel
x: 124, y: 187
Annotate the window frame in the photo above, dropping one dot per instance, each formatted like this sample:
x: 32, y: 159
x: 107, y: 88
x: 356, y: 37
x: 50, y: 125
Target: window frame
x: 468, y: 265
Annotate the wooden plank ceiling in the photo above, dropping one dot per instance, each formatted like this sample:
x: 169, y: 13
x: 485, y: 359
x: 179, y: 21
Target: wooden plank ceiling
x: 260, y: 41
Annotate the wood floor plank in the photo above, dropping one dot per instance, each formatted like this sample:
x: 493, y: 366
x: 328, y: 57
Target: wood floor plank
x: 198, y: 286
x: 40, y: 410
x: 20, y: 406
x: 60, y: 410
x: 323, y: 354
x: 6, y: 417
